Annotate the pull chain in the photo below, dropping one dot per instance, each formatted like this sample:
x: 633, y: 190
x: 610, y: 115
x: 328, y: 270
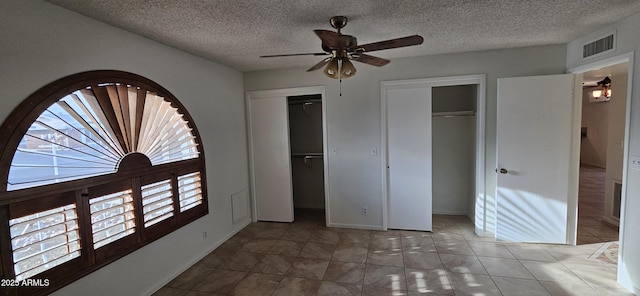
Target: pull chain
x: 340, y: 74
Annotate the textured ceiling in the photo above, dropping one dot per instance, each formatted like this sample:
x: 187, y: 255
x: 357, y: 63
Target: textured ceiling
x: 236, y: 32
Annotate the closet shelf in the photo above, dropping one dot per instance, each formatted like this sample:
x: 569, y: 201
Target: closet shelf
x: 305, y: 102
x: 454, y: 114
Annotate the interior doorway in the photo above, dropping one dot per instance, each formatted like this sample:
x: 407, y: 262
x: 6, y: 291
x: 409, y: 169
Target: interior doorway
x: 602, y: 148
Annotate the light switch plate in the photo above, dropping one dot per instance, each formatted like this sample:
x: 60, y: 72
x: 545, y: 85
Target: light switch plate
x: 634, y: 162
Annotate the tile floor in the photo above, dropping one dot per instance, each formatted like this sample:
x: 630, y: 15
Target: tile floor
x: 307, y: 258
x: 591, y: 228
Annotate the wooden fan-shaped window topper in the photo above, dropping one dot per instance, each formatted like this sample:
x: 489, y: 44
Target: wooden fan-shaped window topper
x: 94, y: 166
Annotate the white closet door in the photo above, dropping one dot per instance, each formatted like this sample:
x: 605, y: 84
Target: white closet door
x: 270, y: 159
x: 409, y: 163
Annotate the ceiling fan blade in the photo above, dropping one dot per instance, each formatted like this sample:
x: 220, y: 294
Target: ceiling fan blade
x: 371, y: 60
x: 294, y: 54
x: 320, y: 64
x: 393, y: 43
x: 329, y: 38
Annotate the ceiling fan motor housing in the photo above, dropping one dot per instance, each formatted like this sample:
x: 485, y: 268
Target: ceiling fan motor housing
x: 349, y: 42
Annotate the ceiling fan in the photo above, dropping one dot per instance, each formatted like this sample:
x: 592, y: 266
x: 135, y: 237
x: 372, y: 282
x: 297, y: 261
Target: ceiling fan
x: 344, y: 48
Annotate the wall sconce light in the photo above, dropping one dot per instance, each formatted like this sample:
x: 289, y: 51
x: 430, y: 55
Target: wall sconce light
x: 604, y: 89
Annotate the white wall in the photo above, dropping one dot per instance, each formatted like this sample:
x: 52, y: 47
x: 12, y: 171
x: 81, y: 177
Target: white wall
x: 453, y: 165
x: 628, y: 40
x: 354, y: 120
x: 42, y: 43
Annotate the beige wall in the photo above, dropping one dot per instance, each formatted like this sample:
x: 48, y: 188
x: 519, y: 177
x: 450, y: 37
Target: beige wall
x: 595, y: 117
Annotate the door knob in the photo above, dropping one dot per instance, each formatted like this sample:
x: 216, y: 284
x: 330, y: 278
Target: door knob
x: 504, y: 171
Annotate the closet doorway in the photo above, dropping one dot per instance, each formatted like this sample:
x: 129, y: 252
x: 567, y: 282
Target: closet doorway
x: 453, y: 129
x: 433, y: 141
x: 287, y: 140
x: 307, y: 157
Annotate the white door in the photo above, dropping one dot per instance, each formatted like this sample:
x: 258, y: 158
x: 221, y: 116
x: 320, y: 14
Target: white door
x: 408, y: 119
x: 270, y: 159
x: 534, y: 158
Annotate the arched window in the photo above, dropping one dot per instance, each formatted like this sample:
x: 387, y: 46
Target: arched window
x: 92, y: 167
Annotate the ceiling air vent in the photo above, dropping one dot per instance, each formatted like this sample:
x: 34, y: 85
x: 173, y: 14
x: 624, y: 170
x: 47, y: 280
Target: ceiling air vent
x: 599, y: 46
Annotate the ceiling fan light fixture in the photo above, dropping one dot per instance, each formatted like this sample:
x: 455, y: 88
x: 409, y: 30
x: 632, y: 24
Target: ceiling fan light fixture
x: 348, y: 69
x: 332, y: 69
x: 603, y: 89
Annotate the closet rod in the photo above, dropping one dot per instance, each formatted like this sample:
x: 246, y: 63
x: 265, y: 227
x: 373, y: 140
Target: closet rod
x: 307, y: 157
x: 454, y: 114
x: 312, y: 156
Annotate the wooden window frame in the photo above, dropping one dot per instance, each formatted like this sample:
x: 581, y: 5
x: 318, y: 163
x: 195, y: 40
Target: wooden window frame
x: 134, y: 171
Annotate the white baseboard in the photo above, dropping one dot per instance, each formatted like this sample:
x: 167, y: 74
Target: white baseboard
x: 450, y: 213
x: 188, y: 264
x: 356, y: 226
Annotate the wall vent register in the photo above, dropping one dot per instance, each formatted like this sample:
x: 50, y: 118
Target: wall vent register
x: 599, y: 46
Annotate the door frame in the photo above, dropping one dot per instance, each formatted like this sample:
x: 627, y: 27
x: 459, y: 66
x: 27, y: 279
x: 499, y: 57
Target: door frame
x: 622, y: 58
x: 430, y: 83
x: 287, y: 92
